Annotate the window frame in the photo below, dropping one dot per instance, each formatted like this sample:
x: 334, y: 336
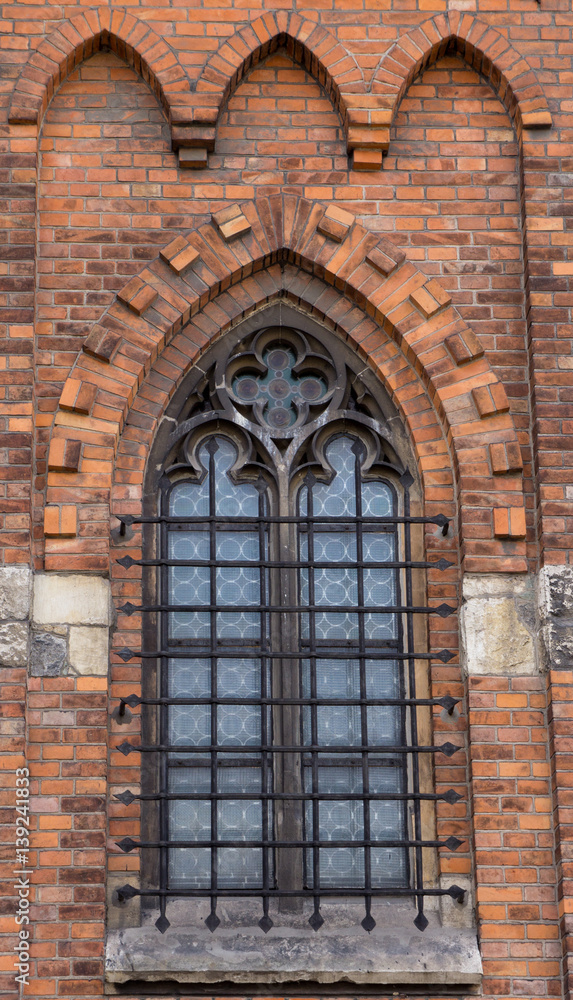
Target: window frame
x: 392, y: 423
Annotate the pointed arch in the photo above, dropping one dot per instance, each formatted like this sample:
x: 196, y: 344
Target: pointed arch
x: 359, y: 275
x: 308, y: 43
x: 76, y: 40
x: 490, y: 53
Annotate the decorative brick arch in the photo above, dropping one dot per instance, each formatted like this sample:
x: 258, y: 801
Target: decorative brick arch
x: 484, y: 48
x: 310, y: 44
x: 399, y: 320
x: 77, y: 39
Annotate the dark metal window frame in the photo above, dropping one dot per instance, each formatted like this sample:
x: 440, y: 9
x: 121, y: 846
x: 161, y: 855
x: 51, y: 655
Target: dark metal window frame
x: 156, y: 749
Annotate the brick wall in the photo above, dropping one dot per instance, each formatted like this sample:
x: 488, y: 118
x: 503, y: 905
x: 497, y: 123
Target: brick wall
x: 463, y: 173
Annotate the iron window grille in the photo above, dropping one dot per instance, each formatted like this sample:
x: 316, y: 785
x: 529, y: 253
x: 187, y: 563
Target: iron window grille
x: 286, y: 756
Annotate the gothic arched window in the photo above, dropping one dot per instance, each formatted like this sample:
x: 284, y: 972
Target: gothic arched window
x: 284, y: 734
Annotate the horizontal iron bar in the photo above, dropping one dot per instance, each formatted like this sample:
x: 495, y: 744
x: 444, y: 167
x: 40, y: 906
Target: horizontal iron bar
x: 128, y: 844
x: 446, y: 702
x: 442, y: 564
x: 446, y: 748
x: 450, y: 796
x: 440, y: 519
x: 443, y: 610
x: 192, y: 652
x: 455, y: 891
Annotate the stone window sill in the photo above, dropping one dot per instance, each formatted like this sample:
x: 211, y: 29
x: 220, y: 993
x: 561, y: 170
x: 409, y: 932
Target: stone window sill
x: 395, y: 952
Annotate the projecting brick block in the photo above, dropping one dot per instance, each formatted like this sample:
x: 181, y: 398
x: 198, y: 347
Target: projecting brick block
x: 193, y: 159
x: 442, y: 297
x: 78, y: 396
x: 509, y: 522
x: 367, y: 159
x: 464, y: 347
x: 179, y: 254
x: 368, y: 137
x: 425, y: 302
x: 336, y: 223
x: 61, y: 522
x: 490, y: 399
x: 101, y: 343
x: 137, y: 295
x: 231, y: 222
x: 385, y: 261
x: 505, y: 457
x: 64, y: 455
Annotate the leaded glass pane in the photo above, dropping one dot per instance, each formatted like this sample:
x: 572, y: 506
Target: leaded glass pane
x: 348, y: 680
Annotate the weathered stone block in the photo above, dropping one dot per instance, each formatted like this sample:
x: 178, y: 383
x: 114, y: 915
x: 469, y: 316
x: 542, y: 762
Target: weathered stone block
x: 555, y: 592
x: 15, y: 592
x: 47, y: 655
x: 13, y: 644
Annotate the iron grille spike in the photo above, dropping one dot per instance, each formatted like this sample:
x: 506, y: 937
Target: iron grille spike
x: 316, y: 920
x: 212, y: 921
x: 126, y: 892
x: 126, y: 845
x: 447, y: 702
x: 125, y: 654
x: 457, y: 893
x: 126, y: 561
x: 444, y: 610
x: 125, y: 748
x: 406, y: 479
x: 444, y: 655
x: 449, y: 749
x: 162, y: 924
x: 421, y: 921
x: 452, y: 843
x: 126, y: 797
x: 442, y: 564
x: 451, y: 796
x: 265, y: 923
x: 129, y: 609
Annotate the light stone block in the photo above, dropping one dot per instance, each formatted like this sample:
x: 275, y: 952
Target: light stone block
x: 71, y: 599
x: 498, y: 624
x: 88, y: 650
x: 14, y: 644
x: 15, y: 592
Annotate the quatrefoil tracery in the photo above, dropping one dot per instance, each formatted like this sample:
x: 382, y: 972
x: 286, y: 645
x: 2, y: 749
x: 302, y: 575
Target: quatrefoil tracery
x: 281, y: 380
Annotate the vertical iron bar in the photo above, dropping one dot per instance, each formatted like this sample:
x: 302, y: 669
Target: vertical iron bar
x: 213, y: 919
x: 412, y: 694
x: 164, y: 818
x: 266, y: 804
x: 363, y: 694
